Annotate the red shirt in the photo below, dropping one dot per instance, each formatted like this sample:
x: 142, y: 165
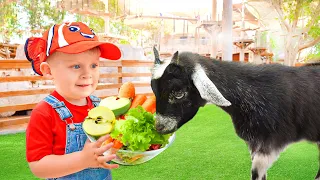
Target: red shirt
x: 46, y: 132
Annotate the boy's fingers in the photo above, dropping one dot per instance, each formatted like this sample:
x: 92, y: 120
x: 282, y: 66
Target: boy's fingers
x: 101, y: 140
x: 109, y: 166
x: 104, y: 159
x: 103, y: 149
x: 87, y: 141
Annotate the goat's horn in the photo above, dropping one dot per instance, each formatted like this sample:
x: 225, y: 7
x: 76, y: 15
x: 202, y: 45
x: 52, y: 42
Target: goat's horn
x: 175, y: 58
x: 207, y: 89
x: 156, y: 56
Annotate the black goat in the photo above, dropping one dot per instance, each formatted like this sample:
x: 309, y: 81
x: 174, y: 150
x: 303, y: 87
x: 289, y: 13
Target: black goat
x: 271, y: 106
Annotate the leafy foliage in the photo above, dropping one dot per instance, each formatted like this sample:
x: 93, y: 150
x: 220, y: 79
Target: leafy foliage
x: 42, y: 8
x: 301, y: 21
x: 40, y: 15
x: 114, y: 8
x: 120, y: 28
x: 314, y: 54
x: 8, y: 19
x: 94, y: 22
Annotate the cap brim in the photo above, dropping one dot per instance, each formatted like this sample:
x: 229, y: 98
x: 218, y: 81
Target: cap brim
x: 108, y: 50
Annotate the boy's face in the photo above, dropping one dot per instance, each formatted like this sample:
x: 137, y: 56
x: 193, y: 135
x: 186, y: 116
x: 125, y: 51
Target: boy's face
x: 75, y: 75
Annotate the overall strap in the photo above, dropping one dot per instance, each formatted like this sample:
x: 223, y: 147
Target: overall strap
x: 59, y: 106
x: 95, y: 100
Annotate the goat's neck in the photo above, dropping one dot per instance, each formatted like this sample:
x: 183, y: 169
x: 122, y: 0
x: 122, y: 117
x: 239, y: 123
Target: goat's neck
x: 232, y: 81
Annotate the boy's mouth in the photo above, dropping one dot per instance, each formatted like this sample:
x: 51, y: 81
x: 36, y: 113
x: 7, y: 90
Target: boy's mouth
x: 83, y: 85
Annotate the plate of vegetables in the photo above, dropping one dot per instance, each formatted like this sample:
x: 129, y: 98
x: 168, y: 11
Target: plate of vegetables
x: 133, y: 134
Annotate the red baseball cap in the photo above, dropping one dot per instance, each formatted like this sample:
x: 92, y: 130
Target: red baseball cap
x: 70, y: 38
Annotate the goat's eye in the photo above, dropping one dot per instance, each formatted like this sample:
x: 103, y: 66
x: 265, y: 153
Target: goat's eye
x: 179, y: 94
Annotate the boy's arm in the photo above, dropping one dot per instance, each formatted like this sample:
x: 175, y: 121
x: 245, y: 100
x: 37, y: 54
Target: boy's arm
x: 54, y: 166
x: 57, y: 165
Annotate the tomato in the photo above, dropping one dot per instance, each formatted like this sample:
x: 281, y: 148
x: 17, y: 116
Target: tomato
x: 155, y: 146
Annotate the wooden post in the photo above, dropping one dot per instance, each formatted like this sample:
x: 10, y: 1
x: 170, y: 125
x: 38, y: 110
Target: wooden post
x: 242, y: 31
x: 106, y: 18
x: 227, y: 31
x: 119, y: 77
x: 214, y: 32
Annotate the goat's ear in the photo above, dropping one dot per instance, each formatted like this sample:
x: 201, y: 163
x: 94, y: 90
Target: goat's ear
x: 156, y: 56
x: 175, y: 58
x: 206, y: 88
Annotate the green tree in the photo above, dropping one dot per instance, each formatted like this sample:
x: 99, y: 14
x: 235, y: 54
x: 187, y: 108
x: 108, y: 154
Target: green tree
x: 115, y: 8
x: 94, y: 22
x: 314, y: 54
x: 117, y: 27
x: 121, y: 29
x: 40, y: 15
x: 48, y: 12
x: 9, y: 20
x: 300, y: 20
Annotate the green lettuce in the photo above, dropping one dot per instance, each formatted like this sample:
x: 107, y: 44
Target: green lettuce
x: 138, y: 132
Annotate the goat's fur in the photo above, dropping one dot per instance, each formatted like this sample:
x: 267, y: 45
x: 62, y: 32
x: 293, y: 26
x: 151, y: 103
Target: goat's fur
x: 271, y: 105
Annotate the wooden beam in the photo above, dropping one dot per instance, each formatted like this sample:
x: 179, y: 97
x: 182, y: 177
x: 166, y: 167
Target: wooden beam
x: 26, y: 92
x: 41, y: 78
x: 160, y: 17
x: 49, y: 90
x: 137, y: 63
x: 14, y: 120
x: 21, y: 78
x: 19, y: 107
x: 136, y: 74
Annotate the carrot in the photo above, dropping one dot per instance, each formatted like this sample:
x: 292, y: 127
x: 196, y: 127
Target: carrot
x: 134, y: 158
x: 150, y: 104
x: 109, y: 140
x: 117, y: 144
x: 138, y: 100
x: 127, y: 90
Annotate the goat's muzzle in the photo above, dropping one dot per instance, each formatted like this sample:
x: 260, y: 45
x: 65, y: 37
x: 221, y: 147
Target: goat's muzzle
x: 163, y: 129
x: 159, y: 126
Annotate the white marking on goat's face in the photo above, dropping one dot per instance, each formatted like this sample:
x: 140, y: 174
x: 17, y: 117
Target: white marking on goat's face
x: 166, y: 124
x: 158, y: 69
x: 206, y: 88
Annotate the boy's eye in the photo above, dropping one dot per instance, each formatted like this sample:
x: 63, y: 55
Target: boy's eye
x: 76, y: 66
x: 94, y: 65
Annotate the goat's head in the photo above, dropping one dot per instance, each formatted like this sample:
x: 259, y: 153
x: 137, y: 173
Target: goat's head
x: 181, y: 87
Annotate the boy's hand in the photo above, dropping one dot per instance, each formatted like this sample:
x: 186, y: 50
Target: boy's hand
x: 92, y: 154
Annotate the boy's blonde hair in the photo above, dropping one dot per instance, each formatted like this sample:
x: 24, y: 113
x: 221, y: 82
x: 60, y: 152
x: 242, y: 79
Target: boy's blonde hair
x: 93, y: 51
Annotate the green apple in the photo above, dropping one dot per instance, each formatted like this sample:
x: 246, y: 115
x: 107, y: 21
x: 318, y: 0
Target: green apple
x: 119, y: 105
x: 100, y: 121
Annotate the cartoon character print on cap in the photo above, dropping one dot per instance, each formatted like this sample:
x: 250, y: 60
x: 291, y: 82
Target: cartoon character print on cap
x: 74, y: 32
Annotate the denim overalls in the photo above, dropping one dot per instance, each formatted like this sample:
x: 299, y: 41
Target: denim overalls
x: 75, y: 140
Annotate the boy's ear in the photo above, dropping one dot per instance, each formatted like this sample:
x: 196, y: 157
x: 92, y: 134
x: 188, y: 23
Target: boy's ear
x: 45, y: 70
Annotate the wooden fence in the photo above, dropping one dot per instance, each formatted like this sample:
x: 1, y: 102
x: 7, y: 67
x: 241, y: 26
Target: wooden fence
x: 15, y: 122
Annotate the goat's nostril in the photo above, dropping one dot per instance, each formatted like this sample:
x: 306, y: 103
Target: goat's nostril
x: 159, y: 126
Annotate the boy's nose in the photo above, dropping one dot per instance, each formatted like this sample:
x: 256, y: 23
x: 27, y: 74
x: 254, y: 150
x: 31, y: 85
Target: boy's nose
x: 86, y: 74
